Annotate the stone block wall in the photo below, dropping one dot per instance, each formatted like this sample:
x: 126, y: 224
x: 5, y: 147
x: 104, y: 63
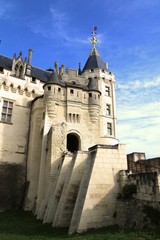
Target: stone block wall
x: 95, y: 204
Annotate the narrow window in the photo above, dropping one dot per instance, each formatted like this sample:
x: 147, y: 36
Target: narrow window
x: 59, y: 89
x: 33, y: 80
x: 109, y: 129
x: 7, y: 111
x: 78, y: 118
x: 74, y: 118
x: 1, y: 69
x: 90, y: 94
x: 107, y: 90
x: 108, y: 109
x: 71, y: 91
x: 49, y: 88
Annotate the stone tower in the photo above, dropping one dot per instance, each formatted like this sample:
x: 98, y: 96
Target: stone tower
x: 74, y: 156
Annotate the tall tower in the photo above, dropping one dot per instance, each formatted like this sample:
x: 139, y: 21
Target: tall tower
x: 74, y: 182
x: 96, y: 69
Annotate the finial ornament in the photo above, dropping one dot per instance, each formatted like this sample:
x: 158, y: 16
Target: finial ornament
x: 94, y: 40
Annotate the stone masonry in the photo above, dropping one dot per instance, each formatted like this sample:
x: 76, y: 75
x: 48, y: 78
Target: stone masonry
x: 58, y: 126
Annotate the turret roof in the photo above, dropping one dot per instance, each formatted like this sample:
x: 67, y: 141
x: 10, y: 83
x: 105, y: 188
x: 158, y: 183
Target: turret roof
x: 54, y: 78
x: 92, y: 85
x: 94, y: 61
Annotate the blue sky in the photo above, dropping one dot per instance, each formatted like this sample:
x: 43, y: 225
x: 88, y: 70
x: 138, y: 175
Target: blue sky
x: 129, y: 40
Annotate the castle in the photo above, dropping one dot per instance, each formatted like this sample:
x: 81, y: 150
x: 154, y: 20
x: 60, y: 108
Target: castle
x: 59, y: 152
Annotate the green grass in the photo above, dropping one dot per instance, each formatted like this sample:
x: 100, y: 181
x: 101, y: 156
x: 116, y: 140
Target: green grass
x: 20, y: 225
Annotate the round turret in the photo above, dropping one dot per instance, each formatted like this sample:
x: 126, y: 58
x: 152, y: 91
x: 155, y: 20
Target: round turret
x: 52, y: 94
x: 93, y: 100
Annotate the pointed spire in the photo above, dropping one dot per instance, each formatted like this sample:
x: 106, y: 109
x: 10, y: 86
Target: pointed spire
x: 94, y: 40
x: 79, y: 69
x: 94, y: 61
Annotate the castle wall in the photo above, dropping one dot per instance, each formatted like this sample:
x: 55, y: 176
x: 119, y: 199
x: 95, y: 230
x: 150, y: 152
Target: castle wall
x: 13, y: 145
x: 135, y: 213
x: 75, y: 190
x: 96, y: 200
x: 141, y: 207
x: 14, y: 136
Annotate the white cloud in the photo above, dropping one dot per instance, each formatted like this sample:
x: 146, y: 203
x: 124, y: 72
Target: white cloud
x: 139, y: 116
x: 140, y: 84
x: 59, y: 27
x: 60, y: 24
x: 5, y: 9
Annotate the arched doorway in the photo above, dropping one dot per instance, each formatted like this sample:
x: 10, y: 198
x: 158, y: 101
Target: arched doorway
x: 73, y: 142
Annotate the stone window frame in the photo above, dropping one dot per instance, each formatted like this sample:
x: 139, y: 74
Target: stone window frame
x: 107, y: 91
x: 7, y: 111
x: 108, y: 109
x: 109, y: 128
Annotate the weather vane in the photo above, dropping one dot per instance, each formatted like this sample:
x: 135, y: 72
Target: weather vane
x: 94, y: 40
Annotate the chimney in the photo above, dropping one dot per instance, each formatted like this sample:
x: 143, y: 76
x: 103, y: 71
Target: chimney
x: 56, y: 67
x: 14, y: 62
x: 29, y: 56
x: 61, y: 70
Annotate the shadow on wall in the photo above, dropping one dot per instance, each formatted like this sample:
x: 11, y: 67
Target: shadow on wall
x: 99, y: 207
x: 12, y: 186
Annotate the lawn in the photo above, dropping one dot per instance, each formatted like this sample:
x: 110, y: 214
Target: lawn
x: 20, y: 225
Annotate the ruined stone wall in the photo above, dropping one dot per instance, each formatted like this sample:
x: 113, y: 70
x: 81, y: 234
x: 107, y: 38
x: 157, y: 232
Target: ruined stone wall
x: 137, y: 162
x: 136, y: 213
x: 138, y: 204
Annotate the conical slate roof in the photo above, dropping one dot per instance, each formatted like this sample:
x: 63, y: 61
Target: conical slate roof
x: 92, y: 85
x: 94, y: 61
x: 54, y: 78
